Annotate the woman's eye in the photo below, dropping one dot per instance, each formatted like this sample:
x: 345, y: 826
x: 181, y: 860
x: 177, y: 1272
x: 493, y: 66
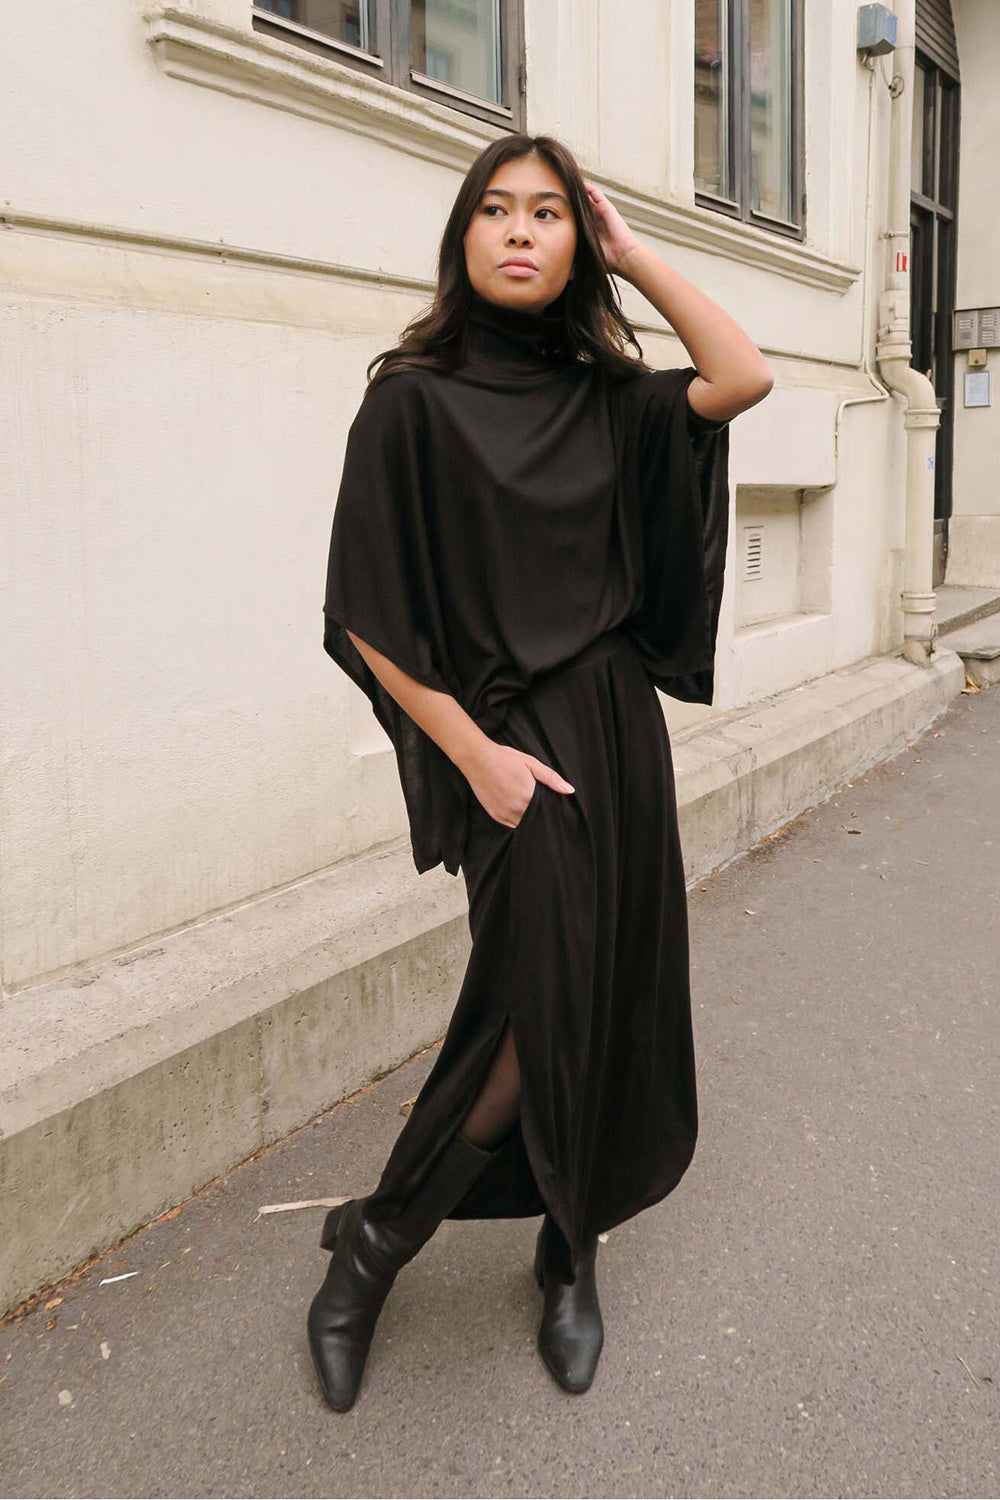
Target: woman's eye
x: 551, y: 211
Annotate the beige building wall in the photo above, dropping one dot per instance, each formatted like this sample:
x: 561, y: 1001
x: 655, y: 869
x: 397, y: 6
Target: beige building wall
x: 974, y: 531
x: 208, y: 235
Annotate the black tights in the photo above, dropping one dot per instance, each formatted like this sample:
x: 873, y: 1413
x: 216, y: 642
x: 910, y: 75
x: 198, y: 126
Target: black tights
x: 491, y: 1118
x: 498, y: 1103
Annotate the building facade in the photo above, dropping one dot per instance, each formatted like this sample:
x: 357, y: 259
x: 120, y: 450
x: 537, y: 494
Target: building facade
x: 216, y: 212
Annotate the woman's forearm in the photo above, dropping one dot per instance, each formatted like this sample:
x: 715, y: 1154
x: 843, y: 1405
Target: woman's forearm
x: 439, y: 715
x: 732, y: 372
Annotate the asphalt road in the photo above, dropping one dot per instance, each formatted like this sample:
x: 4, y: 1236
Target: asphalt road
x: 812, y: 1312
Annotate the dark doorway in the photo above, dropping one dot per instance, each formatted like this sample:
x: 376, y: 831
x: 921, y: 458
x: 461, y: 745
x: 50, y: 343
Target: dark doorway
x: 933, y: 217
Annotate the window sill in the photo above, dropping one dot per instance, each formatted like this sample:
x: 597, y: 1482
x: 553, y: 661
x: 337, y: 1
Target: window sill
x: 199, y: 49
x: 250, y: 65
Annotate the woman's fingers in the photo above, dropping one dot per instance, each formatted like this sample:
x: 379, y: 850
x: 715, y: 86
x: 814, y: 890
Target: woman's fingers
x: 545, y: 773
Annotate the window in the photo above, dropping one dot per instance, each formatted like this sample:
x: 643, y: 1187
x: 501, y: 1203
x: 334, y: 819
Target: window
x: 464, y: 53
x: 748, y: 113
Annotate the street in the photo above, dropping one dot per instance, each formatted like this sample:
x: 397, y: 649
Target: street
x: 812, y: 1312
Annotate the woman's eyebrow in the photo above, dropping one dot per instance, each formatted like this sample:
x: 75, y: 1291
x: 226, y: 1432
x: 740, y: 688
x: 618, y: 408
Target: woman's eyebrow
x: 545, y: 193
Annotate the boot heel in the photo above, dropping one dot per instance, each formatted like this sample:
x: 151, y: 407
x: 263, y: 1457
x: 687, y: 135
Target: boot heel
x: 331, y: 1226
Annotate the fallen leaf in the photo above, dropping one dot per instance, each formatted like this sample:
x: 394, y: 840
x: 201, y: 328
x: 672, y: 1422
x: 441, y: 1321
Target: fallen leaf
x: 749, y: 912
x: 52, y: 1302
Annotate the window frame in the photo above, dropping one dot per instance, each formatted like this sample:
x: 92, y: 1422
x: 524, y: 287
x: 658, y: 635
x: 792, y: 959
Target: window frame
x: 393, y: 64
x: 735, y: 202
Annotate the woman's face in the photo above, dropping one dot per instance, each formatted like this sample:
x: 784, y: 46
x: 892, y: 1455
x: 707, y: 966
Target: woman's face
x: 524, y: 212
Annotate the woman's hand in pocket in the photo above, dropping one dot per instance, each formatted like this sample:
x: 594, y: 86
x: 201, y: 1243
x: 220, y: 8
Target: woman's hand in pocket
x: 503, y: 780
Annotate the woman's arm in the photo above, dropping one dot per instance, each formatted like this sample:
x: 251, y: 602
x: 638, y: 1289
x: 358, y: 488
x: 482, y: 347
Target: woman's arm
x: 494, y: 772
x: 439, y: 714
x: 732, y: 372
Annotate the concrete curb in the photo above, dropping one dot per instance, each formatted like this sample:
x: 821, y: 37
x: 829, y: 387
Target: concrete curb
x: 749, y: 772
x: 127, y: 1086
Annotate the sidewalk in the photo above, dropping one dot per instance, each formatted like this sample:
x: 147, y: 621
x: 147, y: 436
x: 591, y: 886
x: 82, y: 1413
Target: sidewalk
x: 812, y: 1312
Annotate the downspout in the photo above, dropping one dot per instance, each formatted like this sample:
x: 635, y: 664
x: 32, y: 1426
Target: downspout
x: 921, y: 415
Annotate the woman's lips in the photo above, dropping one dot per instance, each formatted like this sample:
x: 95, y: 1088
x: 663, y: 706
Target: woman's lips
x: 519, y: 270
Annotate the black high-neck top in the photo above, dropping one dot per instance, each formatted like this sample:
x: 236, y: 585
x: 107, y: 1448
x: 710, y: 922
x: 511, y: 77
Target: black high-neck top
x: 492, y: 521
x: 511, y: 335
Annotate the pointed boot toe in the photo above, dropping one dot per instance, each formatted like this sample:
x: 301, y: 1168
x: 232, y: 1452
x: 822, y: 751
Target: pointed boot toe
x: 366, y: 1256
x: 343, y: 1313
x: 571, y: 1334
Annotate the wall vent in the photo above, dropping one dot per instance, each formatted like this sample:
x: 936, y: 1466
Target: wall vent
x: 753, y: 552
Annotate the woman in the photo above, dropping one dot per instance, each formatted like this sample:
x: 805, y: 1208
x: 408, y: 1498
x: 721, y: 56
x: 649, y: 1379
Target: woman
x: 529, y: 538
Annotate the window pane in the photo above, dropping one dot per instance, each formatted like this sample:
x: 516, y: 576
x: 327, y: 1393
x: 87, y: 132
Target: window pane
x: 927, y: 173
x: 458, y: 42
x: 917, y: 130
x: 771, y: 107
x: 711, y: 97
x: 949, y: 143
x: 344, y: 20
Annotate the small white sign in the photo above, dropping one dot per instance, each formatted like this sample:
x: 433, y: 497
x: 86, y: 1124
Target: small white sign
x: 977, y: 387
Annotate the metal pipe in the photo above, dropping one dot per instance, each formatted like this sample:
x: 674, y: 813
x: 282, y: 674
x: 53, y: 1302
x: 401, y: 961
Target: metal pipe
x: 921, y: 416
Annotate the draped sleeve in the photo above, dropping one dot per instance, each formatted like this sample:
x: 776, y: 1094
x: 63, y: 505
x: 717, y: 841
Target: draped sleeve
x: 382, y: 585
x: 673, y: 467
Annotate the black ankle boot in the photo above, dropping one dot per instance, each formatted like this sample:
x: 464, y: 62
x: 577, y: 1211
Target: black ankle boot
x: 571, y: 1334
x: 367, y: 1255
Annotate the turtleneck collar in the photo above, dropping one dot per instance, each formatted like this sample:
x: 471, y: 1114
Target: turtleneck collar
x: 512, y: 335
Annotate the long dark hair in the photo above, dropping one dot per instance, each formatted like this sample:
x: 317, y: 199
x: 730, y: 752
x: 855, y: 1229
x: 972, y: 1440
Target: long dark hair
x: 594, y: 327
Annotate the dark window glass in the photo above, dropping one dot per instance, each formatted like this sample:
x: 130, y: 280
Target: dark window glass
x: 711, y: 97
x: 457, y: 42
x: 344, y: 20
x: 748, y: 111
x: 771, y: 108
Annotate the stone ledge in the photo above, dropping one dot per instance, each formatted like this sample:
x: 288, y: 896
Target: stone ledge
x: 125, y: 1087
x: 748, y: 773
x: 978, y: 645
x: 128, y: 1085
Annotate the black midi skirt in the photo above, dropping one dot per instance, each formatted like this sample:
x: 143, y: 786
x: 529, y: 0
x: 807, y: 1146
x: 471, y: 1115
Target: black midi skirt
x: 580, y: 937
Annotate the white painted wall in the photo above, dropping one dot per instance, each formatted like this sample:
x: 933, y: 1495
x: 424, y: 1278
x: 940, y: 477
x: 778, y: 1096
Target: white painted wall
x: 175, y: 741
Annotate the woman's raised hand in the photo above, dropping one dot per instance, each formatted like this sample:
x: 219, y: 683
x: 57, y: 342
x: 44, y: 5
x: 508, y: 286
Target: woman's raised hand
x: 503, y: 780
x: 617, y: 239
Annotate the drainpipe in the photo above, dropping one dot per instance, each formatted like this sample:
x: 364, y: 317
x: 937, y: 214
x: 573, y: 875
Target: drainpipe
x: 921, y: 415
